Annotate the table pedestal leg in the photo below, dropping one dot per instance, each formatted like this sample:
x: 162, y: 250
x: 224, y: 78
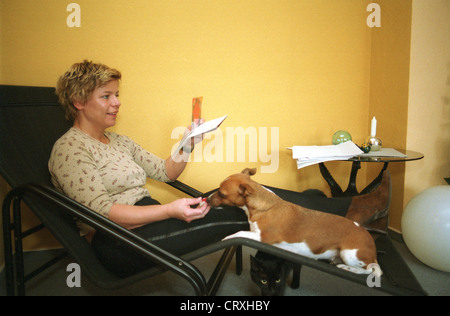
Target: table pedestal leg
x: 336, y: 190
x: 376, y: 181
x: 334, y: 186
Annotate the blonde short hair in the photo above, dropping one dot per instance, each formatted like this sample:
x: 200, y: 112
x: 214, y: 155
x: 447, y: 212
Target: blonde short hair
x: 78, y: 83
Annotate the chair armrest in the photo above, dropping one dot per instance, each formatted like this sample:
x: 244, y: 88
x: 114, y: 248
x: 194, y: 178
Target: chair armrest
x: 88, y: 216
x: 185, y: 188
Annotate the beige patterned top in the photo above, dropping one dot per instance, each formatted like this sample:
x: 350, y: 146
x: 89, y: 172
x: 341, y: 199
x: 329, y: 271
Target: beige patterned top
x: 99, y: 175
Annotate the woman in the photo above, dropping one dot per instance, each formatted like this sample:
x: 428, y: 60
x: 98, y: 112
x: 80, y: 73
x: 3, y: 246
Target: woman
x: 106, y: 172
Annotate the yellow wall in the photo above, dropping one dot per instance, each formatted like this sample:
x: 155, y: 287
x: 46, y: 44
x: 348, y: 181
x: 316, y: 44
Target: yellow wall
x: 264, y: 63
x: 305, y: 67
x: 2, y: 182
x: 429, y: 96
x: 389, y: 82
x: 1, y: 39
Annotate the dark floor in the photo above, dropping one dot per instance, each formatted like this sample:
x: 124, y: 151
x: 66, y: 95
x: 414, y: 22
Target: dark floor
x: 53, y: 281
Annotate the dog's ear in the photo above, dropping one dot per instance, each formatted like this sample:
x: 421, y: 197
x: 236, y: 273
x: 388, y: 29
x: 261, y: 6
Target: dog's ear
x: 246, y: 189
x: 249, y: 171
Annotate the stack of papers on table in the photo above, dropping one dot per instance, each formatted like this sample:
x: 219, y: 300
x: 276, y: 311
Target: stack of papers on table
x: 310, y: 155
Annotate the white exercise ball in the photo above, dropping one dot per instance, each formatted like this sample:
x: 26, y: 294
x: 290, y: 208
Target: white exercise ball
x: 426, y: 227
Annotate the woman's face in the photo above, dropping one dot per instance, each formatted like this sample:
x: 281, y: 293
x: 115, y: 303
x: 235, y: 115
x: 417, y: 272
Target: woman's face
x: 101, y: 109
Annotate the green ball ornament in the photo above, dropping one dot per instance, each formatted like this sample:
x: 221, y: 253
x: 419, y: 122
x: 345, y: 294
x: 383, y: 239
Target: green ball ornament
x: 341, y: 137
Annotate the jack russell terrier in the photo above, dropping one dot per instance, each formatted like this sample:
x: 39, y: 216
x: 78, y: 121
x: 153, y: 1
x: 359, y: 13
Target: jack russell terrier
x: 291, y: 227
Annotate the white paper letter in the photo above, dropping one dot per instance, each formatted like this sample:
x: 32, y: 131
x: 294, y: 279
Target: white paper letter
x: 264, y: 155
x: 374, y: 18
x: 74, y: 278
x: 74, y: 18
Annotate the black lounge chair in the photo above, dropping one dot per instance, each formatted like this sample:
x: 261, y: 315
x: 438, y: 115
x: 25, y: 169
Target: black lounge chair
x: 31, y: 120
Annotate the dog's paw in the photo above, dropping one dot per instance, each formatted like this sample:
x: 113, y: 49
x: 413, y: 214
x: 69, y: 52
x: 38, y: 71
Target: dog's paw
x: 375, y: 269
x: 356, y: 270
x: 372, y: 268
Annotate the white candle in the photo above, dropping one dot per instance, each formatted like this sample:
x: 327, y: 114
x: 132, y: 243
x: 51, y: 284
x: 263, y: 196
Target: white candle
x: 373, y: 129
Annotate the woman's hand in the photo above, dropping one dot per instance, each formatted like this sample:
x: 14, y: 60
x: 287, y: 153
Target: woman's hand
x: 189, y: 147
x: 132, y: 216
x: 181, y: 209
x: 176, y: 163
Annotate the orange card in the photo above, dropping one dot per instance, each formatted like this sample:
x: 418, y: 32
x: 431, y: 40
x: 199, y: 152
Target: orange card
x: 196, y: 109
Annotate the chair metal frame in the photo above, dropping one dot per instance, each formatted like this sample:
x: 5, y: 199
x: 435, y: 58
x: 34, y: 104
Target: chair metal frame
x: 40, y: 196
x: 16, y: 278
x: 23, y: 97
